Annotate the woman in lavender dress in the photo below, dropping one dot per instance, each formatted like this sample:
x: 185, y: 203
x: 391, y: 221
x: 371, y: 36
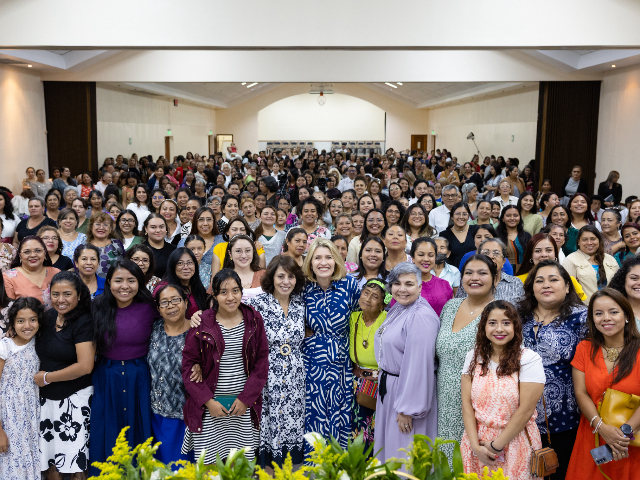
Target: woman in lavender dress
x: 405, y: 347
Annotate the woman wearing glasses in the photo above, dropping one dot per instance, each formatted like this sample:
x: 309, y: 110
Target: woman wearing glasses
x: 165, y: 368
x: 52, y: 241
x: 182, y: 270
x: 100, y: 233
x: 142, y: 256
x: 31, y: 272
x: 127, y: 229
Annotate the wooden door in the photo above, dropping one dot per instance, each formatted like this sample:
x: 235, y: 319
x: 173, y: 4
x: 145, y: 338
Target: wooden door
x: 167, y: 148
x: 419, y: 142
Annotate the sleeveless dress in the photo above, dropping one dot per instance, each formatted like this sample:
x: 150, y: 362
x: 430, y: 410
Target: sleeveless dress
x: 20, y: 412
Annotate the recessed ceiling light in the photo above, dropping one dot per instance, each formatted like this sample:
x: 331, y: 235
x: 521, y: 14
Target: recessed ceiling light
x: 243, y: 83
x: 30, y: 66
x: 613, y: 66
x: 249, y: 86
x: 390, y: 84
x: 399, y: 83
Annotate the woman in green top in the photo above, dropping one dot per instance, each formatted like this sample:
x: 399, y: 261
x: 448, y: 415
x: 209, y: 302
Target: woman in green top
x: 80, y: 206
x: 363, y: 326
x: 531, y: 221
x: 483, y: 215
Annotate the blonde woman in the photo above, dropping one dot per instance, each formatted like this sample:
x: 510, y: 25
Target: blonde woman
x: 330, y: 297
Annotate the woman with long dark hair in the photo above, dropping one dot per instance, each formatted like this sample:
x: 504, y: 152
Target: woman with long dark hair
x: 371, y: 261
x: 416, y: 223
x: 547, y: 202
x: 611, y: 187
x: 101, y: 234
x: 66, y: 351
x: 139, y: 204
x: 155, y: 231
x: 460, y: 234
x: 630, y: 233
x: 501, y: 433
x: 627, y: 282
x: 242, y: 257
x: 123, y: 318
x: 528, y: 208
x: 143, y: 256
x: 607, y: 359
x: 580, y: 215
x: 511, y: 232
x: 590, y: 266
x: 127, y: 229
x: 554, y: 324
x: 375, y: 225
x: 9, y: 220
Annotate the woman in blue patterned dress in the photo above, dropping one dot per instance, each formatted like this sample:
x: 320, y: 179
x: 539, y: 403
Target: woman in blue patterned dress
x: 71, y: 238
x: 555, y: 321
x: 282, y: 308
x: 101, y: 234
x: 330, y: 297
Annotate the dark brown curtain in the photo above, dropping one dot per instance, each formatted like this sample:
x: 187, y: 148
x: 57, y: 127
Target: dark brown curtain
x: 72, y: 134
x: 567, y: 131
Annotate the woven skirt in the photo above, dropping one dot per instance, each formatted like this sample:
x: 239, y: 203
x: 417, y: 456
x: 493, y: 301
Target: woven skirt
x: 64, y: 432
x: 121, y: 399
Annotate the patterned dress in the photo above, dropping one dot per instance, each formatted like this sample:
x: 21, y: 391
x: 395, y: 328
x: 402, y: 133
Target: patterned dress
x: 282, y: 422
x: 556, y: 343
x: 329, y: 388
x: 451, y: 349
x: 495, y: 399
x: 20, y: 411
x: 109, y: 255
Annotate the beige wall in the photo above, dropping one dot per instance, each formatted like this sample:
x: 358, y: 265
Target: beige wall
x: 493, y: 121
x: 23, y: 141
x: 300, y: 117
x: 242, y: 120
x: 619, y: 119
x: 145, y: 119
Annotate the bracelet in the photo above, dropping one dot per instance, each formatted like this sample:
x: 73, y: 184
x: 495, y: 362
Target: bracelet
x: 591, y: 421
x: 44, y: 379
x: 597, y: 427
x: 496, y: 448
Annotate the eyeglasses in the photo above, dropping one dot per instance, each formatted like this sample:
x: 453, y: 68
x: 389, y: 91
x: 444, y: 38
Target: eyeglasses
x: 157, y: 197
x: 127, y: 220
x: 173, y: 301
x: 102, y: 225
x: 461, y: 214
x: 49, y: 239
x: 143, y: 261
x: 37, y: 251
x: 450, y: 195
x: 394, y: 188
x: 492, y: 254
x: 188, y: 264
x: 417, y: 214
x: 375, y: 220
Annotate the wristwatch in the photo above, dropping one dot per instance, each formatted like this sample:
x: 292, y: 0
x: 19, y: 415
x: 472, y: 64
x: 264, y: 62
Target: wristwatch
x: 627, y: 430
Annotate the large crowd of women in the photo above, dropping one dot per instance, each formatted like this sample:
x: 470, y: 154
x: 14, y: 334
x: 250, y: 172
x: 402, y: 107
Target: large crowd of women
x: 245, y: 300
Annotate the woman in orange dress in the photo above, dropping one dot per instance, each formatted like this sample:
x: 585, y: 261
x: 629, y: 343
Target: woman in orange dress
x: 609, y: 358
x: 501, y: 385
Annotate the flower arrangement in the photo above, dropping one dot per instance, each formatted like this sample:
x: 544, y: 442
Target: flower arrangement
x: 328, y: 461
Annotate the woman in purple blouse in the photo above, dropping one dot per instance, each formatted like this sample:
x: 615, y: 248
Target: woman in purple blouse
x: 123, y: 320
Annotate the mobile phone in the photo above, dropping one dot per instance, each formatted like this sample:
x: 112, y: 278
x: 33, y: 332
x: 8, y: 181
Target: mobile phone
x: 602, y: 454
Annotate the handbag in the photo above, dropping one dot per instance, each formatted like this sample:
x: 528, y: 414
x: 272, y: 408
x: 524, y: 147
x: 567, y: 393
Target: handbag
x: 616, y: 408
x: 366, y: 390
x: 226, y: 400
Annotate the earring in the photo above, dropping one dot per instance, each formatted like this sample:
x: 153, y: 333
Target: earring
x: 531, y: 261
x: 626, y: 320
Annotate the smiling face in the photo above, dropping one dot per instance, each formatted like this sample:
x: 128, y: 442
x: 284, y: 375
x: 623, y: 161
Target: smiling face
x: 242, y: 253
x: 347, y: 200
x: 588, y: 243
x: 608, y: 317
x: 375, y: 223
x: 358, y: 224
x: 26, y: 324
x: 283, y: 282
x: 527, y: 203
x: 499, y: 328
x: 407, y: 289
x: 142, y: 260
x: 229, y: 297
x: 141, y: 195
x: 631, y: 238
x: 205, y: 223
x: 172, y: 306
x: 549, y: 287
x: 231, y: 208
x: 156, y: 230
x: 185, y: 268
x: 425, y: 257
x: 169, y: 211
x: 124, y: 287
x: 366, y: 204
x: 309, y: 214
x: 477, y: 279
x: 88, y: 262
x: 64, y: 297
x: 372, y: 256
x: 559, y: 217
x: 609, y: 222
x: 371, y: 300
x: 395, y: 239
x: 579, y: 205
x: 417, y: 218
x: 511, y: 218
x: 50, y: 239
x: 632, y: 284
x: 395, y: 191
x: 322, y: 263
x: 460, y: 217
x: 297, y: 245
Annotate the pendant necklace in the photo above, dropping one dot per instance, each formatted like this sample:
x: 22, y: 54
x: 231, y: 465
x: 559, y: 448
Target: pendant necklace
x: 612, y: 352
x: 365, y: 342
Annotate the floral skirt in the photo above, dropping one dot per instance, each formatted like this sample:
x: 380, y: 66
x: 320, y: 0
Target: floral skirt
x: 363, y: 419
x: 64, y: 432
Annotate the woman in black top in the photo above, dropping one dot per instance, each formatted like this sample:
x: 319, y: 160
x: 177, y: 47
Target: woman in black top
x: 460, y: 234
x: 30, y: 226
x: 155, y: 231
x: 611, y: 187
x: 66, y: 351
x: 53, y: 242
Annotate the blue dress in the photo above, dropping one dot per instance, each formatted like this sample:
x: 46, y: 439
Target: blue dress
x: 326, y: 356
x: 556, y: 344
x: 69, y: 248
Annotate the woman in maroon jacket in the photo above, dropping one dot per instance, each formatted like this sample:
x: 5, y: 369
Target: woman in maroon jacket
x: 230, y: 344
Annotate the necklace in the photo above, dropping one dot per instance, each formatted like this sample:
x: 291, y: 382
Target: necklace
x: 365, y: 342
x: 475, y: 309
x: 612, y: 352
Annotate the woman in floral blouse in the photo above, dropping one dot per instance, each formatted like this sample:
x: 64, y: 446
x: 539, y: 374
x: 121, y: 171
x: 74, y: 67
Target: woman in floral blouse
x: 101, y: 234
x: 554, y: 323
